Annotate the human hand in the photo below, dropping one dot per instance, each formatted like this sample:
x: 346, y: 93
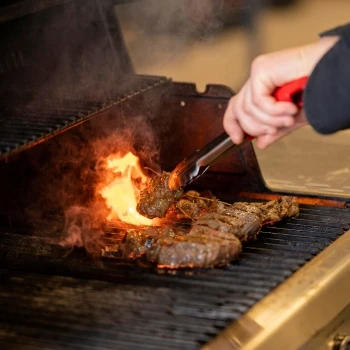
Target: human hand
x: 255, y: 111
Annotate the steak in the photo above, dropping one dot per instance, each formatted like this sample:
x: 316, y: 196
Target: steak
x: 176, y: 247
x: 157, y: 198
x: 243, y: 219
x: 201, y: 247
x: 273, y: 211
x: 136, y: 242
x: 214, y: 235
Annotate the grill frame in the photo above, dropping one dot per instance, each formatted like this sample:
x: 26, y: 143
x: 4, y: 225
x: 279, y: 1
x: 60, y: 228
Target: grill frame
x: 315, y: 298
x: 163, y: 296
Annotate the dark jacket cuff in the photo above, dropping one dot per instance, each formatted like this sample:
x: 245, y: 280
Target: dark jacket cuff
x: 327, y: 94
x: 341, y: 31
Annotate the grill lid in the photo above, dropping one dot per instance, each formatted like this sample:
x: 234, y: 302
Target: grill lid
x: 58, y: 65
x: 25, y: 124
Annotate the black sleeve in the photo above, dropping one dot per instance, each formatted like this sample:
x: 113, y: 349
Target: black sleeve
x: 327, y: 94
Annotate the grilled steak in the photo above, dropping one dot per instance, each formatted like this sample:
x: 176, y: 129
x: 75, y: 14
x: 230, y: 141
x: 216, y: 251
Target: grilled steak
x: 243, y: 225
x: 193, y: 203
x: 157, y: 198
x: 216, y: 233
x: 201, y: 247
x: 136, y: 242
x: 244, y: 220
x: 273, y: 211
x: 174, y: 247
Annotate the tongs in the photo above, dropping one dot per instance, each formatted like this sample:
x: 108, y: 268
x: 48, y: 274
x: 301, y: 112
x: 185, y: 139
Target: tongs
x: 198, y: 163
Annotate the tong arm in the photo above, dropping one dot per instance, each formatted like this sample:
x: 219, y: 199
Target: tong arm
x: 194, y: 166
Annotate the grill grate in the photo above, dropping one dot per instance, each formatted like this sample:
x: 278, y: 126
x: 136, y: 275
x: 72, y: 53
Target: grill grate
x: 49, y: 301
x: 24, y: 124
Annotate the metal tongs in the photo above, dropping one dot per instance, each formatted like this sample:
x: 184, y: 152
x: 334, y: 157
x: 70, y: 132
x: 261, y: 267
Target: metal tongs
x: 198, y: 163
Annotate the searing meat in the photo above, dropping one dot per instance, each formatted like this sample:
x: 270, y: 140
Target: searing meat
x: 201, y: 247
x: 192, y: 204
x: 136, y: 242
x: 215, y: 235
x: 272, y: 211
x: 174, y: 247
x: 245, y: 226
x: 157, y: 198
x: 244, y: 220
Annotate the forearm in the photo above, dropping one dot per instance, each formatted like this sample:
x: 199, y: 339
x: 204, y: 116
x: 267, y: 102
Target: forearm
x: 327, y: 95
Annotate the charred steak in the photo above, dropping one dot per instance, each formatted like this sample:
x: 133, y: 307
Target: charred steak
x: 201, y: 247
x: 157, y: 198
x: 215, y: 235
x: 173, y: 247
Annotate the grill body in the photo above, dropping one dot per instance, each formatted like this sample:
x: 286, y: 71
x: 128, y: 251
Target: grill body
x: 109, y: 303
x: 49, y: 300
x: 52, y: 298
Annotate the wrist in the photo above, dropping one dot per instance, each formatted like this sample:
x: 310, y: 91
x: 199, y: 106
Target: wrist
x: 312, y: 54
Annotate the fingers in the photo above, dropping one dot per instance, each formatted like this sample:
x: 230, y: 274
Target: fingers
x: 234, y: 130
x: 250, y: 118
x: 237, y: 123
x: 262, y: 100
x: 264, y: 141
x: 281, y: 117
x: 242, y: 116
x: 266, y: 73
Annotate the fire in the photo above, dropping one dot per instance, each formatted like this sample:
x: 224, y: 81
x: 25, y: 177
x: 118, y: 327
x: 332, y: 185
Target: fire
x: 122, y: 193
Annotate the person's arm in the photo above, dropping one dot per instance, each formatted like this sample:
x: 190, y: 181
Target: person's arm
x: 327, y: 94
x: 254, y: 111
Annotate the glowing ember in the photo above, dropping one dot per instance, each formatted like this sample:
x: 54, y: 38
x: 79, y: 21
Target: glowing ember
x: 122, y: 193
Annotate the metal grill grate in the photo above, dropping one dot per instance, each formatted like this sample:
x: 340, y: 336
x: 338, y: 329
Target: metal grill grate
x: 25, y: 124
x: 48, y: 301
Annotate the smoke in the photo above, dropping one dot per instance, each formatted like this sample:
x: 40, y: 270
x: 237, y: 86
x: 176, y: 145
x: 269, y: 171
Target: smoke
x: 70, y: 52
x: 71, y: 170
x: 75, y: 59
x: 82, y: 229
x: 75, y: 64
x: 158, y: 31
x: 184, y: 18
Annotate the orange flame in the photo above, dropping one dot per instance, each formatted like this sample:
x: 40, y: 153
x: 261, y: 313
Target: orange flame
x: 122, y: 193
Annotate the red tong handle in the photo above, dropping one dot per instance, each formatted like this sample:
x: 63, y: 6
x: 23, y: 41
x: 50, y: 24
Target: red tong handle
x: 290, y: 92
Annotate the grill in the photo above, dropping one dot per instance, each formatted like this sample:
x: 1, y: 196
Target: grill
x: 54, y: 298
x: 104, y: 302
x: 25, y: 124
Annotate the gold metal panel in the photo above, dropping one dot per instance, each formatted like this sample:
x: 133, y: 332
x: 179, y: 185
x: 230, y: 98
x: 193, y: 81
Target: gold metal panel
x: 301, y: 306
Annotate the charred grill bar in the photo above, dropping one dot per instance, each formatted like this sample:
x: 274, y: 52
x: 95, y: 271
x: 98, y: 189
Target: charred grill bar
x: 53, y: 300
x: 49, y: 300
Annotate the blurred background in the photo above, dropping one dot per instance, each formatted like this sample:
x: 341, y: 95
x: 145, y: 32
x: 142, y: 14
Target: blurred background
x: 214, y: 41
